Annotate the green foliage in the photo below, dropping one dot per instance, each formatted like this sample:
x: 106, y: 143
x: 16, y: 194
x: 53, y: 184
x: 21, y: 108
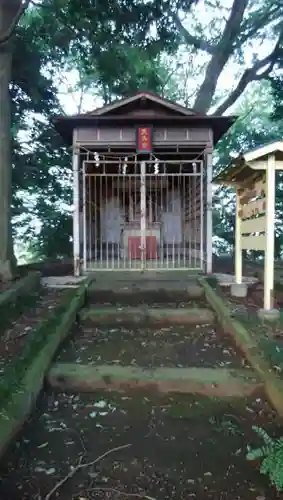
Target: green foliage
x: 225, y: 425
x: 54, y: 239
x: 9, y: 313
x: 271, y: 454
x: 212, y: 281
x: 276, y: 81
x: 41, y: 162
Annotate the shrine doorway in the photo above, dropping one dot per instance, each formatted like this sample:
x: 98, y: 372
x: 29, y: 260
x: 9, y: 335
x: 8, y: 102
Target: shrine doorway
x: 142, y: 214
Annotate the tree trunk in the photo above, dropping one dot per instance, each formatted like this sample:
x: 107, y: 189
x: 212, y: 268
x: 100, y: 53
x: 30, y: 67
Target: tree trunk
x: 7, y: 259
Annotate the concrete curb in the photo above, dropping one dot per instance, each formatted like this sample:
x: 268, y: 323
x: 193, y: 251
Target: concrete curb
x: 249, y: 346
x: 24, y: 390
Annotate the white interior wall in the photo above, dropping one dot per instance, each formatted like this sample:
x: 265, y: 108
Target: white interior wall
x: 112, y: 220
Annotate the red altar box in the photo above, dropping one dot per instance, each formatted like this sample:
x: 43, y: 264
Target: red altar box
x: 134, y: 248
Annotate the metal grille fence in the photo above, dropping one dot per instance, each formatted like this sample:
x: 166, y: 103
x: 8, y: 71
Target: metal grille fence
x: 142, y: 215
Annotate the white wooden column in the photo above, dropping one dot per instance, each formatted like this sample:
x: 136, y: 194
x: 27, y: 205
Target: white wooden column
x: 76, y: 213
x: 209, y: 232
x: 238, y: 239
x: 269, y: 234
x: 143, y: 214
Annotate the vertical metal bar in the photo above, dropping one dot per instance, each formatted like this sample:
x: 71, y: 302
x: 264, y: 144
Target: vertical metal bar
x: 209, y: 211
x: 167, y: 211
x: 201, y: 215
x: 197, y: 219
x: 90, y: 202
x: 173, y: 200
x: 84, y: 220
x: 102, y: 218
x: 107, y: 211
x: 150, y: 181
x: 95, y: 199
x: 76, y: 214
x: 194, y: 228
x: 120, y: 214
x: 155, y: 219
x: 184, y: 219
x: 124, y: 236
x: 180, y: 209
x: 190, y: 219
x: 161, y: 217
x: 112, y: 243
x: 132, y: 201
x: 143, y: 213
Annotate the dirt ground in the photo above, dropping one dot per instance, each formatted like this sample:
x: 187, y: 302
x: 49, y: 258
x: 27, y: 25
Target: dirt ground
x: 245, y: 310
x: 177, y: 449
x: 135, y: 297
x: 14, y: 337
x: 254, y: 299
x: 171, y: 346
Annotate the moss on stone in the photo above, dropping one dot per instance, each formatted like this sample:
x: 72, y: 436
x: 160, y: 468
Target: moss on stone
x: 250, y: 346
x: 20, y: 296
x: 22, y: 381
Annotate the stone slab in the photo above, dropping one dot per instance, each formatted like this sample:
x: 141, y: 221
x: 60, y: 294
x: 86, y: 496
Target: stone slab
x: 193, y: 316
x: 269, y: 314
x: 239, y: 290
x: 213, y: 382
x: 63, y: 281
x: 229, y: 279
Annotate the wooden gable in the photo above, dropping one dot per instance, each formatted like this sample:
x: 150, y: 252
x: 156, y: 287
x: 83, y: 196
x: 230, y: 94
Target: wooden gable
x: 142, y: 104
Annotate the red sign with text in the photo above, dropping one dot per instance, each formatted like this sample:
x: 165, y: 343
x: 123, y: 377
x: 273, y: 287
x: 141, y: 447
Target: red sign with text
x: 144, y: 140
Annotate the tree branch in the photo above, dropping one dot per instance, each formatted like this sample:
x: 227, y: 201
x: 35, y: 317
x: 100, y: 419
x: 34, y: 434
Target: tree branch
x: 250, y: 75
x: 190, y: 39
x: 8, y: 32
x: 80, y: 465
x: 265, y: 18
x: 220, y: 57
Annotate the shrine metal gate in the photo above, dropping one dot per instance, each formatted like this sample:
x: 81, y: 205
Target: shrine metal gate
x: 142, y: 215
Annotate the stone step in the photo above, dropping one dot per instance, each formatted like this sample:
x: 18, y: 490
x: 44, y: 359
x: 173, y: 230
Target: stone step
x: 213, y: 382
x: 135, y: 295
x: 110, y: 283
x: 147, y: 315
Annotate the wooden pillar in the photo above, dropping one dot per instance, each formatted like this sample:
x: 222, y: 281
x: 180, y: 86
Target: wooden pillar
x: 269, y: 234
x: 209, y: 232
x: 238, y: 246
x: 76, y: 213
x: 85, y: 235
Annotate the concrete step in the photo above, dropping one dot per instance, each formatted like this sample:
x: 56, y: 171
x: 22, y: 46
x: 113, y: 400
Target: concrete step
x: 147, y: 315
x: 213, y: 382
x: 135, y: 295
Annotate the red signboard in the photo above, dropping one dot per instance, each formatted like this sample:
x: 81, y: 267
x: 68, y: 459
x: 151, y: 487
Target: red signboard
x: 144, y: 139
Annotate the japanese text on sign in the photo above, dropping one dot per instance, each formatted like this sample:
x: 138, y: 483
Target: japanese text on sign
x: 144, y: 139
